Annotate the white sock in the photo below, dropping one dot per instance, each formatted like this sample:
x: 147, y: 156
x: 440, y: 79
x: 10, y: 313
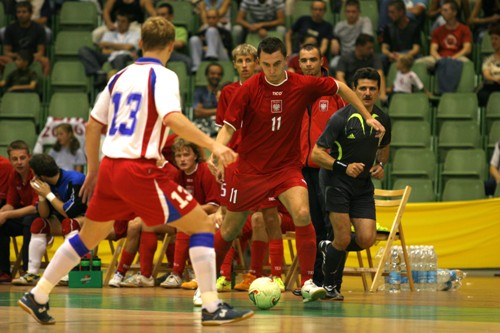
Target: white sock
x: 37, y: 247
x: 203, y: 261
x: 64, y: 260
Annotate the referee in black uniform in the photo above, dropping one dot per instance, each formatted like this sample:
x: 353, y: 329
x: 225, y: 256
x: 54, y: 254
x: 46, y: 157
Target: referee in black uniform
x: 349, y: 155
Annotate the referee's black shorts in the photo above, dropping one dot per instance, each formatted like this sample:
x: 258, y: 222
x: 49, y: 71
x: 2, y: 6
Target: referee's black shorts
x: 344, y: 194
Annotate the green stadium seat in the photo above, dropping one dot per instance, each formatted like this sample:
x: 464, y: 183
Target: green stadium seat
x: 68, y: 43
x: 458, y: 134
x: 180, y: 69
x: 467, y: 81
x: 410, y: 134
x: 183, y: 15
x: 77, y: 15
x: 414, y: 163
x: 21, y: 106
x: 11, y: 130
x: 463, y: 189
x: 465, y: 163
x: 410, y: 107
x: 68, y: 76
x: 457, y: 106
x: 69, y: 104
x: 492, y: 109
x: 493, y: 137
x: 422, y: 190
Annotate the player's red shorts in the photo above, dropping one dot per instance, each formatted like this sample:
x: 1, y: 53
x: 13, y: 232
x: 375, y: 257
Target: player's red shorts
x: 120, y: 227
x: 249, y: 191
x: 137, y: 188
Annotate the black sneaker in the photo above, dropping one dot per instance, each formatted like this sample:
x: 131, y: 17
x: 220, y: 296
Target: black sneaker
x: 37, y: 311
x: 333, y: 294
x: 225, y: 314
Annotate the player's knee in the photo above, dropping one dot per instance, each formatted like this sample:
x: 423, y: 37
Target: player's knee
x: 258, y: 222
x: 342, y: 241
x: 134, y: 227
x: 69, y: 225
x: 302, y: 216
x: 40, y: 226
x: 366, y: 241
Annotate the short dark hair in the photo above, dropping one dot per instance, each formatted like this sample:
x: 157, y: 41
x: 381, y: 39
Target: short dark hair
x: 398, y: 4
x: 212, y: 64
x: 44, y: 165
x: 25, y: 4
x: 368, y: 73
x: 453, y: 4
x: 494, y: 29
x: 363, y: 39
x: 310, y: 47
x: 18, y: 145
x: 26, y: 55
x: 353, y: 3
x: 270, y: 45
x: 166, y: 5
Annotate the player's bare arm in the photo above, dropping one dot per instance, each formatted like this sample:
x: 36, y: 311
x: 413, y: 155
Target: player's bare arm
x: 185, y: 129
x: 349, y: 96
x: 93, y: 140
x: 223, y: 137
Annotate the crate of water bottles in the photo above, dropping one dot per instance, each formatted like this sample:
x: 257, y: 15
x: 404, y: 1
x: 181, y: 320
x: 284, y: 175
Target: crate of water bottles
x: 424, y: 267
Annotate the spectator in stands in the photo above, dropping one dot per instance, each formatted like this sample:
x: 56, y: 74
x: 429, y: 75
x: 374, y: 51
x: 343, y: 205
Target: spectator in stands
x: 401, y: 36
x: 118, y: 47
x: 223, y: 8
x: 66, y: 151
x: 346, y: 31
x: 293, y: 62
x: 310, y: 25
x: 211, y: 43
x: 491, y: 68
x: 491, y: 184
x: 491, y: 15
x: 25, y: 34
x: 17, y: 215
x: 362, y: 56
x: 259, y: 17
x: 205, y: 99
x: 136, y: 10
x: 166, y: 10
x: 42, y: 14
x: 452, y: 40
x: 23, y: 78
x: 406, y: 81
x: 415, y: 10
x: 434, y: 12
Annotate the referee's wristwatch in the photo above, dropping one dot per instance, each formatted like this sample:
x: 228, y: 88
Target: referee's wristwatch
x: 381, y: 164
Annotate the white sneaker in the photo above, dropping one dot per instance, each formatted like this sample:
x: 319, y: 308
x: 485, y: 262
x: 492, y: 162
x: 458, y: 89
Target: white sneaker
x: 172, y: 281
x: 197, y: 298
x: 116, y: 280
x: 311, y: 292
x: 138, y: 281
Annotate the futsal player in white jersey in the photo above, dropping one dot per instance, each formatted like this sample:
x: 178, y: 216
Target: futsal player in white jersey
x: 138, y: 106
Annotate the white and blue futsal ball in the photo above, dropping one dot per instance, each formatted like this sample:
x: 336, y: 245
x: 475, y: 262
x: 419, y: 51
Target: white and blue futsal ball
x: 264, y: 292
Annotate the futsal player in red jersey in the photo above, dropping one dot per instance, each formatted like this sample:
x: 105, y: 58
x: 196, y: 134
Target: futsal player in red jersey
x: 268, y: 108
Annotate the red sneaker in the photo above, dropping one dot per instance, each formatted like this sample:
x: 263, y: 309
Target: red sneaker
x: 5, y: 278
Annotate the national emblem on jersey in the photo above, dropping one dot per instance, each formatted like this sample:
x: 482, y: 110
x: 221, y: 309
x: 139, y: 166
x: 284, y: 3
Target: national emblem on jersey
x: 323, y: 105
x: 276, y: 106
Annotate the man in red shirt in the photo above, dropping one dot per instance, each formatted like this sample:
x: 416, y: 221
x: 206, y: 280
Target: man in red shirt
x: 313, y: 124
x: 5, y: 171
x: 269, y: 109
x: 451, y: 40
x: 19, y: 211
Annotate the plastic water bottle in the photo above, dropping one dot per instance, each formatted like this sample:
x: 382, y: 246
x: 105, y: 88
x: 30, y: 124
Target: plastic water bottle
x: 420, y: 268
x: 405, y: 286
x: 432, y: 269
x: 449, y: 279
x: 394, y: 272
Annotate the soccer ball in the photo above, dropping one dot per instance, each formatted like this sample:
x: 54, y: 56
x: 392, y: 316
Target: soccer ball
x: 264, y: 292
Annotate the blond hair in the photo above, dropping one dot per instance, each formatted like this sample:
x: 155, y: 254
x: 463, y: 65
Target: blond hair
x: 406, y: 60
x: 243, y: 50
x: 156, y: 33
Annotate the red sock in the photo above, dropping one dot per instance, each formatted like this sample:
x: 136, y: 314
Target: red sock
x: 226, y: 268
x: 181, y: 252
x: 126, y: 260
x: 221, y: 247
x: 170, y: 254
x: 147, y: 250
x: 258, y: 249
x: 276, y: 256
x: 305, y: 238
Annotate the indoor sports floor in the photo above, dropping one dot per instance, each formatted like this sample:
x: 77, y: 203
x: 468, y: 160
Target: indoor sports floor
x: 473, y: 308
